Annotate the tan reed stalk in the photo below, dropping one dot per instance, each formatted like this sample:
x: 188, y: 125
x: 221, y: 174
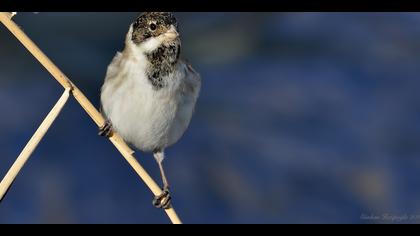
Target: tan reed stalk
x: 32, y: 144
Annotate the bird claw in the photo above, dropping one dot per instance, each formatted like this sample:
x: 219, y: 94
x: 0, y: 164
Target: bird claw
x: 163, y: 200
x: 106, y: 129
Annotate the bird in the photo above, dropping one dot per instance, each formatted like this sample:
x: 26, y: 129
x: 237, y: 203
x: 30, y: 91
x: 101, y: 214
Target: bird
x: 149, y: 93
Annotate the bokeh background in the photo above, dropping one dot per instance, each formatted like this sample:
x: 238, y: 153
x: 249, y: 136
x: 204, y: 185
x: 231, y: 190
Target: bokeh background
x: 302, y: 118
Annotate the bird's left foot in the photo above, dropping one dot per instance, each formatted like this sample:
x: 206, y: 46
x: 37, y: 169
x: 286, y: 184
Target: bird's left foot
x: 163, y: 200
x: 106, y: 129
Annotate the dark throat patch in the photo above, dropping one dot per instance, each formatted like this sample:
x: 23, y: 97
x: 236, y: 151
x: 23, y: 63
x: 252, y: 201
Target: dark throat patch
x: 162, y: 63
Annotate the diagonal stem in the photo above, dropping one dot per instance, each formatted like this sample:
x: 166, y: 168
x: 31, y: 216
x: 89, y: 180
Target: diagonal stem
x: 32, y: 144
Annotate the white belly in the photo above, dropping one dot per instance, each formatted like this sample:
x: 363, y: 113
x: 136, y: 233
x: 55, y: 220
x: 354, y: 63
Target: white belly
x: 144, y: 117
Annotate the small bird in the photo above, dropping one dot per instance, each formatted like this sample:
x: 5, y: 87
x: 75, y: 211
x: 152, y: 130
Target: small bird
x: 149, y: 93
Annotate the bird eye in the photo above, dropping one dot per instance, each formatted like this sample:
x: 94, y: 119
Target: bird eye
x: 152, y: 26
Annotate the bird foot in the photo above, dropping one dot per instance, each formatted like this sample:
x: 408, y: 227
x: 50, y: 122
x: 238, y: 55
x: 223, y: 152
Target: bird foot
x: 106, y: 129
x: 163, y: 200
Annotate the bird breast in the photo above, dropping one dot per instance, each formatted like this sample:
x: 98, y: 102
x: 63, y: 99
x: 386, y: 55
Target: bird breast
x: 143, y: 116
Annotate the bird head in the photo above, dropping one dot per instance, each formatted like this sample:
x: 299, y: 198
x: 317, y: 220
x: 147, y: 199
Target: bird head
x: 152, y: 29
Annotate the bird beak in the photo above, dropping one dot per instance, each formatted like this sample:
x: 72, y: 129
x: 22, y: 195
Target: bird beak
x: 171, y: 34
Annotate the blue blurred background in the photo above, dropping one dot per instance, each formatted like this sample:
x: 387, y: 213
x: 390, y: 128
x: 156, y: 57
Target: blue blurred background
x: 302, y: 118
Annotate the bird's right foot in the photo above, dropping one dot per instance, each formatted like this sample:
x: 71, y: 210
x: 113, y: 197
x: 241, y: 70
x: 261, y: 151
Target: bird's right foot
x: 163, y: 200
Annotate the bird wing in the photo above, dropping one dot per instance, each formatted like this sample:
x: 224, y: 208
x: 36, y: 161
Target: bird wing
x: 114, y: 66
x: 192, y: 81
x: 111, y: 74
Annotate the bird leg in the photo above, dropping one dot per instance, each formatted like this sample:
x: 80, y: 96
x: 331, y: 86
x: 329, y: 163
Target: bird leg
x: 106, y: 129
x: 164, y: 199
